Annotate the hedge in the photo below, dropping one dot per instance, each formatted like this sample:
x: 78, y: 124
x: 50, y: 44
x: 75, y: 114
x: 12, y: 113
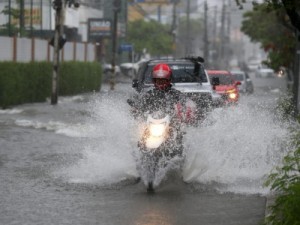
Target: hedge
x: 31, y: 82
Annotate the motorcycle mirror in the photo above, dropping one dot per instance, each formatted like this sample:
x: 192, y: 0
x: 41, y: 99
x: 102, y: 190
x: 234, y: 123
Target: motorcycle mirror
x: 135, y: 83
x: 130, y: 102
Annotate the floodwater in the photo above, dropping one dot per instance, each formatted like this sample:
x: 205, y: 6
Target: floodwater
x: 73, y: 163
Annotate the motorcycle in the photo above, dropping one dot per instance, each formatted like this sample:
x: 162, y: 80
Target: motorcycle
x: 160, y: 149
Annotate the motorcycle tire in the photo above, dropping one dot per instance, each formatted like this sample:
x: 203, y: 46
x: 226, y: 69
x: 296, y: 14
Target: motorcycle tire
x: 150, y: 188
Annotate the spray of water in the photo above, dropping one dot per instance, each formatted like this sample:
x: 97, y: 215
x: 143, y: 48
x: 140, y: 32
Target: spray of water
x: 236, y: 148
x: 107, y: 155
x: 233, y: 150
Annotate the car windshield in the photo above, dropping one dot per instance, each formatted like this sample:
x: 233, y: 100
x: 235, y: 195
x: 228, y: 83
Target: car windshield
x: 181, y: 73
x: 224, y: 78
x: 238, y: 76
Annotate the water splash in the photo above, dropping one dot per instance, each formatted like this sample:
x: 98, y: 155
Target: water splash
x: 108, y: 158
x: 233, y: 150
x: 10, y: 111
x: 236, y: 148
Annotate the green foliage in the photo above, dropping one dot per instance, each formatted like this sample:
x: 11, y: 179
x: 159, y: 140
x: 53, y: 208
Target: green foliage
x: 285, y: 181
x: 14, y: 30
x: 77, y: 77
x: 21, y: 83
x: 150, y: 35
x: 268, y: 25
x: 272, y: 3
x: 31, y: 82
x: 285, y: 107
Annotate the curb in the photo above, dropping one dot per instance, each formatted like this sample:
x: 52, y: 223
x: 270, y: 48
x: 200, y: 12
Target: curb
x: 270, y: 200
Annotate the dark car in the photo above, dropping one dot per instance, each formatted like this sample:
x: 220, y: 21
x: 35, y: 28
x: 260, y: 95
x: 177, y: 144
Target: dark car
x: 188, y: 76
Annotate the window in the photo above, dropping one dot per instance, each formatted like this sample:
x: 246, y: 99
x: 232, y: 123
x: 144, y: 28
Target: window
x: 238, y: 76
x: 225, y: 79
x: 182, y: 73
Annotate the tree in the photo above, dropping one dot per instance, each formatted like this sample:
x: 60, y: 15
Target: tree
x: 152, y: 36
x: 286, y: 180
x: 15, y: 13
x: 292, y: 10
x: 269, y: 27
x: 291, y: 7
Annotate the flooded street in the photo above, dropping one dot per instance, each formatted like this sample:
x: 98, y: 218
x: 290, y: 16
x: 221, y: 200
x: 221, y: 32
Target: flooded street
x: 73, y: 163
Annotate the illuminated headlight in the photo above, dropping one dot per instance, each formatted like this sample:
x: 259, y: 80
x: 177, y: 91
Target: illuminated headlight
x: 232, y: 95
x: 280, y: 73
x: 157, y: 130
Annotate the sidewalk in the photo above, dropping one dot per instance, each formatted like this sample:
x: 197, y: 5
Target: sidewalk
x: 270, y: 200
x: 120, y: 78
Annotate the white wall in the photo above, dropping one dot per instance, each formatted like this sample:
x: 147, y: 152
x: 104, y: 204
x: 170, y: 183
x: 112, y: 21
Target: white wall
x: 74, y: 18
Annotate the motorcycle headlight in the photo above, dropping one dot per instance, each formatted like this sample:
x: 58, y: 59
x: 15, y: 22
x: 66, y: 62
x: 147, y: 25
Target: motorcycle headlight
x: 232, y: 95
x: 157, y: 130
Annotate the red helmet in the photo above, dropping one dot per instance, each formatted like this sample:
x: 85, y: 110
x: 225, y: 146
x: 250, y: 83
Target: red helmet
x: 161, y: 76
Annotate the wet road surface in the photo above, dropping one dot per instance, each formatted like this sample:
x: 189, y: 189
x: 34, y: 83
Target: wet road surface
x: 57, y: 167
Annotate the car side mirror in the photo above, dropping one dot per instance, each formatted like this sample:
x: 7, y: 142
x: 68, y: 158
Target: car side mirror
x: 135, y: 83
x: 215, y: 81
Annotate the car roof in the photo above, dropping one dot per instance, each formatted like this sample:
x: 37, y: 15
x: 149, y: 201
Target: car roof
x: 237, y: 72
x: 223, y: 72
x: 266, y: 69
x: 173, y: 60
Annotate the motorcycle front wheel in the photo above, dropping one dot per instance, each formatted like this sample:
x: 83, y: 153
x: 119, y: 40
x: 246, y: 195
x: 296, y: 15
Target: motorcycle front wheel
x: 150, y: 188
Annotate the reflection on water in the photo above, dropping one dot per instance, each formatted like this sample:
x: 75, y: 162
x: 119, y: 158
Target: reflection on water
x: 154, y: 217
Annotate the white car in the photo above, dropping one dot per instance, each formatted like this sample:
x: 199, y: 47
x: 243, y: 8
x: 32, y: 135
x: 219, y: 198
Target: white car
x: 107, y: 68
x: 131, y: 69
x: 254, y: 64
x: 246, y: 82
x: 265, y: 72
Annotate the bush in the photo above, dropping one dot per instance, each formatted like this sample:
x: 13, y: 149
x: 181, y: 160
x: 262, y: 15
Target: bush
x: 285, y: 107
x: 31, y: 82
x: 285, y: 181
x: 77, y: 78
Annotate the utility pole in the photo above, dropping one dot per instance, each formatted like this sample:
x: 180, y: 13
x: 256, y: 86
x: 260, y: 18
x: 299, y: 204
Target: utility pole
x: 205, y: 38
x: 41, y: 20
x: 116, y: 9
x: 174, y: 26
x: 228, y: 48
x: 9, y: 18
x: 31, y: 22
x: 214, y: 47
x: 187, y: 41
x: 22, y: 24
x: 296, y: 70
x: 59, y: 6
x: 222, y: 37
x: 159, y: 13
x: 58, y: 42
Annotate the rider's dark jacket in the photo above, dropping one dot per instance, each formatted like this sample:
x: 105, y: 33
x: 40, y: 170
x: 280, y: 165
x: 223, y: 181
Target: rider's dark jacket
x: 160, y: 100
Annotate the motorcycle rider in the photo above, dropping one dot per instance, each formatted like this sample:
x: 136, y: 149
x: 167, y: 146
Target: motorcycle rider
x: 163, y: 97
